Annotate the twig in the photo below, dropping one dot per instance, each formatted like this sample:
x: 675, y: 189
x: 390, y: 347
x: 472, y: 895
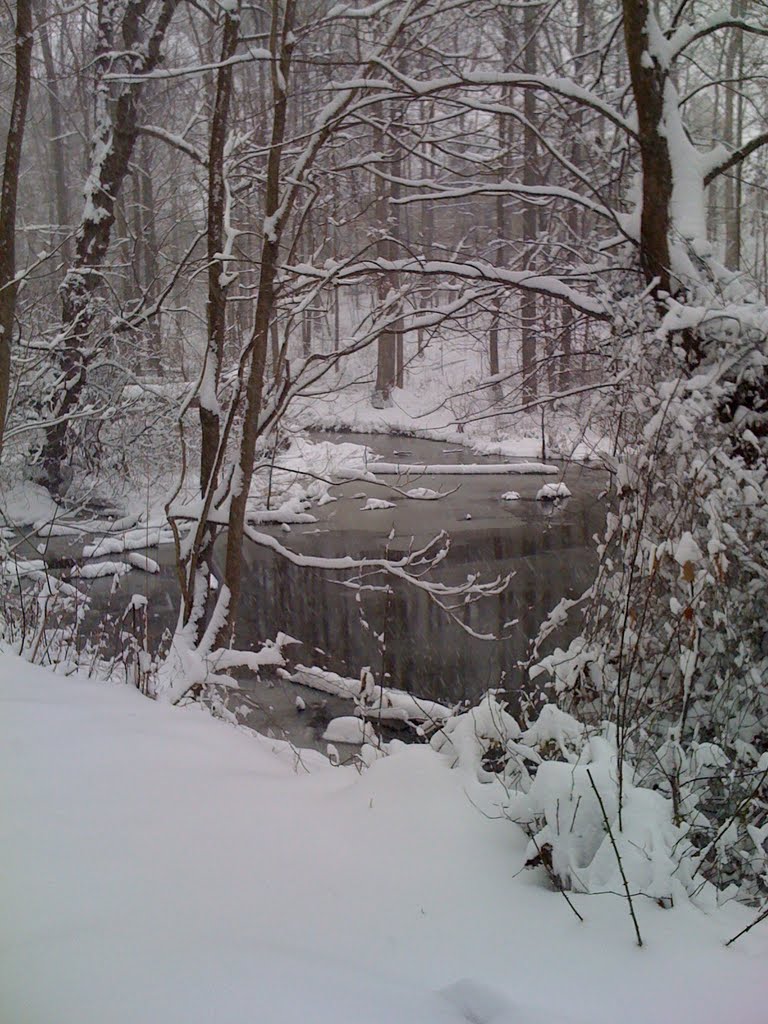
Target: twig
x: 760, y: 917
x: 554, y: 879
x: 618, y: 859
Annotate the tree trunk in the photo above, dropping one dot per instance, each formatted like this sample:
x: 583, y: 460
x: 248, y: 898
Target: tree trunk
x: 265, y: 303
x: 11, y: 172
x: 648, y: 80
x: 396, y: 228
x: 56, y: 141
x: 500, y: 254
x: 115, y: 133
x: 216, y: 310
x: 734, y: 116
x: 530, y: 213
x: 573, y: 219
x: 386, y: 362
x: 149, y: 248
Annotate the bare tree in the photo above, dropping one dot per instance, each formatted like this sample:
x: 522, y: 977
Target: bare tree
x: 11, y: 173
x: 122, y: 38
x: 218, y: 271
x: 56, y: 140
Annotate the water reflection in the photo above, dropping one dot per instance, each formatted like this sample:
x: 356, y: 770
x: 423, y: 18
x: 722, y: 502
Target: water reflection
x: 402, y: 634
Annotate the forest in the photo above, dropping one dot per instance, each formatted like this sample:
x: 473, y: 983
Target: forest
x: 261, y: 262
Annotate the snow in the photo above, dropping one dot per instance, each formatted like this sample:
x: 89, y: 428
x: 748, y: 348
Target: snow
x: 376, y: 505
x: 437, y: 403
x: 687, y: 550
x: 550, y: 492
x: 470, y: 270
x: 383, y: 702
x: 98, y: 569
x: 131, y: 540
x: 165, y: 867
x: 348, y: 729
x: 510, y: 496
x: 25, y: 503
x: 306, y: 471
x: 423, y: 494
x: 139, y: 561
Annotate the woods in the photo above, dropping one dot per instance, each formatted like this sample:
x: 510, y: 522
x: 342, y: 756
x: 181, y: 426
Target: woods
x: 225, y: 224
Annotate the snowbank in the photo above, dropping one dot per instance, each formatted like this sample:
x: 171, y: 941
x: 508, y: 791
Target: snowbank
x: 25, y: 503
x: 164, y: 867
x: 437, y: 403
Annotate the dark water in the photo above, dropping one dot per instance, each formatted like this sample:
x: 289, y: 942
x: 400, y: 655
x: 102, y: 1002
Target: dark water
x: 398, y: 631
x: 401, y: 634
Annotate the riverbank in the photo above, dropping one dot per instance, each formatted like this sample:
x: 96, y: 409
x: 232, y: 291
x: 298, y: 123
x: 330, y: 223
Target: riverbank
x: 430, y: 413
x: 164, y: 867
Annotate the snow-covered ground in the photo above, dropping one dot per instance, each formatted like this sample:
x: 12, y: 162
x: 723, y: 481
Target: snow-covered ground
x: 447, y: 399
x: 161, y: 866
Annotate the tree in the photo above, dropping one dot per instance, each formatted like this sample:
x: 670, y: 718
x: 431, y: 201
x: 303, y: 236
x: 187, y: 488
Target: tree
x: 122, y: 38
x: 9, y: 283
x: 219, y: 277
x: 256, y: 400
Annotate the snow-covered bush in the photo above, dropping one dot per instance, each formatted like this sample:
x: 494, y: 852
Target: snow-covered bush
x: 595, y: 822
x: 592, y: 822
x: 47, y: 619
x: 486, y: 741
x: 591, y: 843
x: 674, y: 647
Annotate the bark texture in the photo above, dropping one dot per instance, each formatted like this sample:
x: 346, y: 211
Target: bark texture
x: 56, y: 142
x: 648, y: 80
x: 530, y: 213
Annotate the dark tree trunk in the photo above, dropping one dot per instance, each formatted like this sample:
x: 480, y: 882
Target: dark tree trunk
x: 396, y: 228
x: 216, y: 310
x: 150, y: 250
x: 282, y: 44
x: 115, y: 133
x: 648, y: 79
x: 386, y: 362
x: 11, y: 171
x: 734, y: 118
x: 573, y: 219
x: 500, y: 255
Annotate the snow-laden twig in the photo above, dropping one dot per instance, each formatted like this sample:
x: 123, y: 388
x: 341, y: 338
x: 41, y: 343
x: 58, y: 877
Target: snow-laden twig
x: 625, y: 883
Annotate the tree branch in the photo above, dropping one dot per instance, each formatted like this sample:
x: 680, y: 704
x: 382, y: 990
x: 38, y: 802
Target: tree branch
x: 736, y: 157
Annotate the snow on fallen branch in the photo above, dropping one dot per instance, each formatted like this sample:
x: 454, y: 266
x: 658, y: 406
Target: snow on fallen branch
x: 382, y: 702
x: 455, y: 469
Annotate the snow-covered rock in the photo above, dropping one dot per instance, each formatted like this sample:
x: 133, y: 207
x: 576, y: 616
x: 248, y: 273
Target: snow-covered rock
x: 551, y: 492
x: 376, y: 505
x: 349, y: 729
x: 423, y: 493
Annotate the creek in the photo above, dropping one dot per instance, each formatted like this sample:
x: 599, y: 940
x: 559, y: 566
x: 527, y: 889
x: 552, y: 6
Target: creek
x: 547, y: 548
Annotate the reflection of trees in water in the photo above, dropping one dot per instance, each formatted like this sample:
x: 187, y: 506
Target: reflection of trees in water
x: 423, y: 650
